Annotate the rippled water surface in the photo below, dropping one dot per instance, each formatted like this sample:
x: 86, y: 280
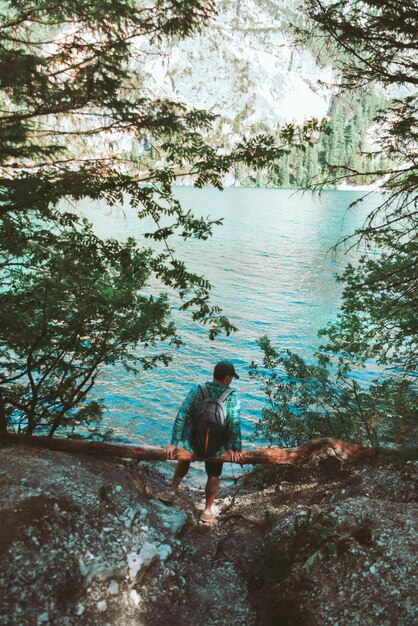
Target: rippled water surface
x: 271, y: 275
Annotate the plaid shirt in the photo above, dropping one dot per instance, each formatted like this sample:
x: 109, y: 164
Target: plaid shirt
x: 182, y: 428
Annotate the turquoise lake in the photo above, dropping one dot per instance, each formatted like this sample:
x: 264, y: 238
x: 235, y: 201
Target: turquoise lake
x: 272, y: 273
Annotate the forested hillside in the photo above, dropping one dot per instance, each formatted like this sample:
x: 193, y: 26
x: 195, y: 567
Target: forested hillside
x: 347, y: 141
x: 248, y: 68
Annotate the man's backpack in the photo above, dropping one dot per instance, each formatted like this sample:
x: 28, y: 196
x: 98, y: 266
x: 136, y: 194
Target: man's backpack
x: 209, y: 422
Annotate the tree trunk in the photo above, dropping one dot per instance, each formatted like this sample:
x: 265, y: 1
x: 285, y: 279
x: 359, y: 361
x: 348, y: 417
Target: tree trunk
x: 311, y: 452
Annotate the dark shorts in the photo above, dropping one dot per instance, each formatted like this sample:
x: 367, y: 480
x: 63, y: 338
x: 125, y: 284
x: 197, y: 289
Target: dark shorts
x: 213, y: 468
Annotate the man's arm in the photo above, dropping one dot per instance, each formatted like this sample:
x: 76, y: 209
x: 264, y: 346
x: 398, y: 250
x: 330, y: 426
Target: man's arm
x: 233, y: 443
x: 185, y: 412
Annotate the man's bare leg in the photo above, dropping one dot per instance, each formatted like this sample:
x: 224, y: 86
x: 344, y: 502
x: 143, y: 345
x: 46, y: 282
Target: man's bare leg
x: 212, y: 486
x: 182, y: 468
x: 168, y: 496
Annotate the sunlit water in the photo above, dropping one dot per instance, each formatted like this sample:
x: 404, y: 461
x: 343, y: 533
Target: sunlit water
x: 272, y: 274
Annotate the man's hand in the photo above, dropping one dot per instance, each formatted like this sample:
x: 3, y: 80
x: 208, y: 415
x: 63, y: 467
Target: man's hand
x: 169, y: 452
x: 236, y: 457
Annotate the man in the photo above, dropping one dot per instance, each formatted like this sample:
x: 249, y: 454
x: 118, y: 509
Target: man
x: 183, y: 430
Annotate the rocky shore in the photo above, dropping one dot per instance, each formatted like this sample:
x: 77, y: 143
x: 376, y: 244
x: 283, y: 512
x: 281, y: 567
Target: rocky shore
x: 84, y: 541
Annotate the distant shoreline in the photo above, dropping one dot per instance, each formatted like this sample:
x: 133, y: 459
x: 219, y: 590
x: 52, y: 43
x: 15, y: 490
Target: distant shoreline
x: 347, y: 187
x: 342, y: 187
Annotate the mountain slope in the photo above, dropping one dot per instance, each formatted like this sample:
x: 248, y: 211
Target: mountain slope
x: 245, y: 67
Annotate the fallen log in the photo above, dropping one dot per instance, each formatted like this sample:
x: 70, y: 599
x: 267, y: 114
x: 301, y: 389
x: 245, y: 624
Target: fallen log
x: 312, y: 452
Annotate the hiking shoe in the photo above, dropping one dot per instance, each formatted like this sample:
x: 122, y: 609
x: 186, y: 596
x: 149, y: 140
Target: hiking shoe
x: 166, y: 496
x: 207, y: 518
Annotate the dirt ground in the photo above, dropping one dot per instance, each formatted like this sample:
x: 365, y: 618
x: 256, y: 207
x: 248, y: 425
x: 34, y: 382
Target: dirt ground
x: 84, y: 541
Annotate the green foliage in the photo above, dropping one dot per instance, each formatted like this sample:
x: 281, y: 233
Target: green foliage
x: 70, y: 304
x: 72, y: 111
x: 380, y: 300
x: 323, y: 399
x: 376, y: 42
x: 316, y: 531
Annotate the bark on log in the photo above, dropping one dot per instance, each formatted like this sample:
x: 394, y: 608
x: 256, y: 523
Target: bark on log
x: 312, y: 452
